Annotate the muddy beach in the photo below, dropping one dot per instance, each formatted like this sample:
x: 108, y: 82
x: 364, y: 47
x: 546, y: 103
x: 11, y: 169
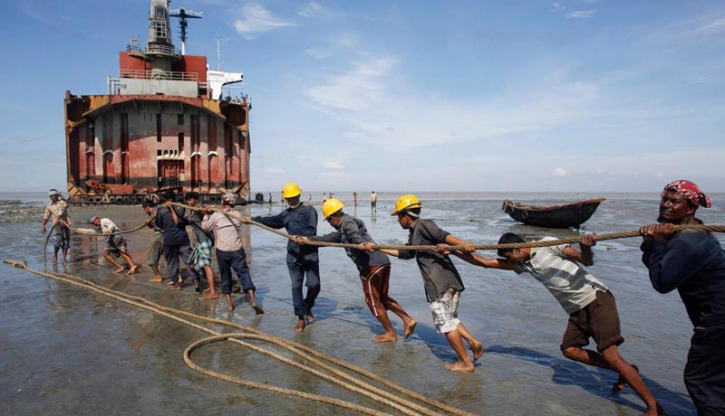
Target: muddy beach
x: 69, y: 351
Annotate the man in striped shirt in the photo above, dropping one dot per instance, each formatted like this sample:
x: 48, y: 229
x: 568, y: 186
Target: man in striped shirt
x: 591, y: 307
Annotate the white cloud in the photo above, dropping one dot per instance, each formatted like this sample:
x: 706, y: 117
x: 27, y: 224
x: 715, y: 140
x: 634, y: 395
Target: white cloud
x: 581, y: 14
x: 348, y: 41
x: 333, y: 164
x: 256, y: 19
x: 558, y: 7
x: 560, y: 172
x: 318, y: 53
x: 714, y: 26
x: 356, y: 90
x: 315, y: 10
x: 367, y: 100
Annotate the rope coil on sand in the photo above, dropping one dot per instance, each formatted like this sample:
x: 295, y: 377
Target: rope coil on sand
x: 309, y: 354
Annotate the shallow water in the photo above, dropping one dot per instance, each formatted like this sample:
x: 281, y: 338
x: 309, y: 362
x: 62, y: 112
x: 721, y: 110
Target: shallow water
x: 68, y: 351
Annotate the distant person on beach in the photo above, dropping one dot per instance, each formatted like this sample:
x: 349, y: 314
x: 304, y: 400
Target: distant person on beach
x: 693, y: 262
x: 309, y: 199
x: 324, y: 198
x: 374, y: 201
x: 230, y: 253
x: 354, y: 199
x: 270, y: 198
x: 176, y: 241
x: 57, y: 212
x: 115, y: 244
x: 156, y: 248
x: 374, y: 268
x: 200, y: 258
x: 299, y: 219
x: 591, y: 306
x: 443, y: 285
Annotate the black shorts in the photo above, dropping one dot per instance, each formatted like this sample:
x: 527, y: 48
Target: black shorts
x: 598, y: 320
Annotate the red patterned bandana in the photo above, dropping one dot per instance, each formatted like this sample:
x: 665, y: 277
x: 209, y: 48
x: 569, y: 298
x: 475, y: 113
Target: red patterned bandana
x: 689, y: 191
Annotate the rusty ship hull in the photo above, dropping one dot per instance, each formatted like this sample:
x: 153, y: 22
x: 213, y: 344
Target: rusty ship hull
x: 158, y: 128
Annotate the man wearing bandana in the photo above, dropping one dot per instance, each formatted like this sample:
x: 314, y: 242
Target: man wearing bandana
x: 693, y: 263
x: 57, y: 212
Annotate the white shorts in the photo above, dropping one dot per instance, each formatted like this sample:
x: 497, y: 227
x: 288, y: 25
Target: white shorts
x: 445, y: 312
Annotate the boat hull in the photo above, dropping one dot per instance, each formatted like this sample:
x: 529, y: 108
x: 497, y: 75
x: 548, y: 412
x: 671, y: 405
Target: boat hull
x: 558, y: 216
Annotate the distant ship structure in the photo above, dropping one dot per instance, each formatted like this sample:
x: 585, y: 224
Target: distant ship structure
x: 163, y: 125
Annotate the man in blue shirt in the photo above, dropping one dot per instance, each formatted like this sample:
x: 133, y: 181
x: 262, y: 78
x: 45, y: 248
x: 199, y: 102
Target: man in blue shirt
x: 302, y: 260
x: 693, y: 263
x: 176, y: 240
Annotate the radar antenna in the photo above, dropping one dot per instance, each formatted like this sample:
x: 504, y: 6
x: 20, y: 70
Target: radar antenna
x: 184, y: 14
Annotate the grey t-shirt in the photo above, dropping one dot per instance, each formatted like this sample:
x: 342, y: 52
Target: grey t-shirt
x: 438, y: 272
x: 353, y: 231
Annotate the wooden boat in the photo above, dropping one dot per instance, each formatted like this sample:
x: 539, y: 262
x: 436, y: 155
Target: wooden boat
x: 556, y: 216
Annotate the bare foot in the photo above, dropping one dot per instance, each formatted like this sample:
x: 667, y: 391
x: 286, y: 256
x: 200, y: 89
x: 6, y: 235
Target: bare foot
x: 409, y: 329
x: 157, y: 279
x: 460, y: 366
x: 477, y: 349
x: 657, y: 411
x: 55, y: 260
x: 310, y: 317
x: 300, y: 325
x: 210, y: 296
x: 64, y: 262
x: 386, y: 337
x: 133, y: 269
x: 178, y: 285
x: 257, y: 309
x: 621, y: 383
x: 119, y: 270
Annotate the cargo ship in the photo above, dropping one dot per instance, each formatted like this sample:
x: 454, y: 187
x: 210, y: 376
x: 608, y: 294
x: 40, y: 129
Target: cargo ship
x: 163, y: 125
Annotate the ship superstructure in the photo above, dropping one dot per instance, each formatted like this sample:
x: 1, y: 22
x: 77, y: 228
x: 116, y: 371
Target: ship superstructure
x: 163, y: 124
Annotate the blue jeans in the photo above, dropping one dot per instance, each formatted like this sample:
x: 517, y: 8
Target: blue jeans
x: 171, y: 254
x: 237, y: 260
x: 297, y: 272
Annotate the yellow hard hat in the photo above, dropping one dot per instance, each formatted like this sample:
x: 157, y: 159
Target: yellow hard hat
x: 331, y: 206
x: 406, y: 202
x: 291, y: 190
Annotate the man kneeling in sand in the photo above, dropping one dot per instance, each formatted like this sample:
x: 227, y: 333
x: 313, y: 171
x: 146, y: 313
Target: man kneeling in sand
x: 115, y: 245
x: 589, y: 303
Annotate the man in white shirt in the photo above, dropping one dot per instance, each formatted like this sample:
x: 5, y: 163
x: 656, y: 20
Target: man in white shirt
x: 115, y: 245
x: 57, y: 212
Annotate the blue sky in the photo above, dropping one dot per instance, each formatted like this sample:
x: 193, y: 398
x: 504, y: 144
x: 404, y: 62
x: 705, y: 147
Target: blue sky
x: 579, y: 96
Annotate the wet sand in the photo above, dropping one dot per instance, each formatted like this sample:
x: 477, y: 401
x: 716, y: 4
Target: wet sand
x: 69, y: 351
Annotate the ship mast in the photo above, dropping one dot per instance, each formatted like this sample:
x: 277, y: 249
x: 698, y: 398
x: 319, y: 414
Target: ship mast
x: 184, y: 14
